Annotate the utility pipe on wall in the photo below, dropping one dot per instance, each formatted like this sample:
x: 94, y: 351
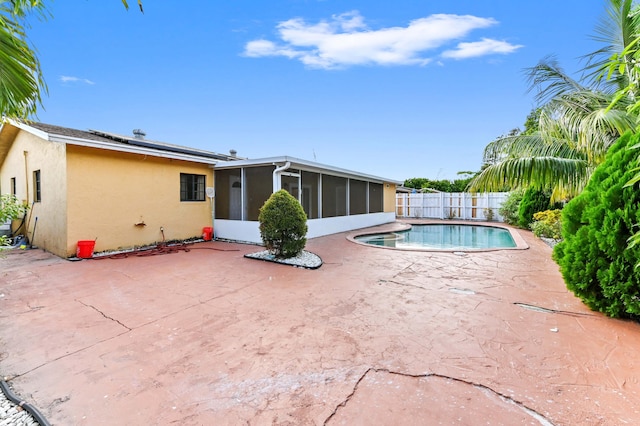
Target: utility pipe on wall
x: 276, y: 176
x: 26, y: 173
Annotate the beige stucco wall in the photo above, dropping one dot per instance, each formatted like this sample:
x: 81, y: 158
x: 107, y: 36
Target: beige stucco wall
x: 389, y: 197
x: 110, y: 192
x: 26, y: 154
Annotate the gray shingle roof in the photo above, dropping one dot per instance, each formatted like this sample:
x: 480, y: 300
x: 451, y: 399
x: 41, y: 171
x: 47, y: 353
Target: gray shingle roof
x: 100, y: 136
x: 66, y: 131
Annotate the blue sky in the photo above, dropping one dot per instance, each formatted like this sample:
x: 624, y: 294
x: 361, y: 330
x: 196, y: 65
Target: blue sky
x: 396, y: 89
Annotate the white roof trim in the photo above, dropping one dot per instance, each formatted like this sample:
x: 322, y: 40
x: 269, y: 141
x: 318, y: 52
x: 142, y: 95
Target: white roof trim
x: 305, y: 165
x: 120, y: 147
x: 129, y: 149
x: 23, y: 126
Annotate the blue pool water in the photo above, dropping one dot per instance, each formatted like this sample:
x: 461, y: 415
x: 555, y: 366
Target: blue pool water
x: 444, y: 237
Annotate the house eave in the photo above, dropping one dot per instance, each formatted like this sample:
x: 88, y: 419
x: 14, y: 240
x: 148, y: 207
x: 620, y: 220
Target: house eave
x: 24, y: 126
x: 130, y: 149
x: 305, y: 165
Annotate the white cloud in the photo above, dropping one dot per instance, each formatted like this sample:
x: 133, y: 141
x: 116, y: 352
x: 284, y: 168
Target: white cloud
x: 346, y: 40
x: 258, y: 48
x: 70, y: 79
x: 480, y: 48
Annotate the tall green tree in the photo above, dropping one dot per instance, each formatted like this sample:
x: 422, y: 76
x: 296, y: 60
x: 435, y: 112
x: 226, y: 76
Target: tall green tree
x: 593, y: 257
x: 442, y: 185
x: 578, y: 120
x: 625, y: 64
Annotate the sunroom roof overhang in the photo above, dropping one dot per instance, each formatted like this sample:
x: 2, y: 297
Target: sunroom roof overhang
x: 305, y: 165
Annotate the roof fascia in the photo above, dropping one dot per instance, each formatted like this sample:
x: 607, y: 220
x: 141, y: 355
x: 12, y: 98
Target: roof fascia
x: 130, y: 149
x: 23, y: 126
x: 305, y: 165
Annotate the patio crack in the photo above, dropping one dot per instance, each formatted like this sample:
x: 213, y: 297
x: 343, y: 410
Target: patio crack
x: 68, y: 354
x: 533, y: 413
x: 348, y: 398
x: 103, y: 314
x: 382, y: 281
x: 552, y: 311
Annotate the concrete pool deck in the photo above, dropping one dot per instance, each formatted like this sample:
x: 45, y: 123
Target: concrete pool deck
x: 372, y: 337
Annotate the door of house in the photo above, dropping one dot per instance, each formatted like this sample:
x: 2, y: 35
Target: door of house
x: 235, y: 198
x: 290, y: 182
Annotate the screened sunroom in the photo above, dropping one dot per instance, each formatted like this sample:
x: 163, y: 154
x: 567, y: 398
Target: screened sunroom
x: 335, y: 200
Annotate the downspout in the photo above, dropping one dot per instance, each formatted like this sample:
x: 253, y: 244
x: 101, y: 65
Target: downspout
x: 26, y: 173
x: 212, y: 200
x: 276, y: 176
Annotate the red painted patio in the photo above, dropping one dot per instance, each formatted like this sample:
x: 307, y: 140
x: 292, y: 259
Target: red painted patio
x: 374, y: 336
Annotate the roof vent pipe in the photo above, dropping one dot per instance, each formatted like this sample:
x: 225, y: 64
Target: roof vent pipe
x: 233, y: 152
x: 139, y: 133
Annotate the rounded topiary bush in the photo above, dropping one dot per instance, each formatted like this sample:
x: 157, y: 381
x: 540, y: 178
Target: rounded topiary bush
x: 595, y: 260
x: 283, y: 225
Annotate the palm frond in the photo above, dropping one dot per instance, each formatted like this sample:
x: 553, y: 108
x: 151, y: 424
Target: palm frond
x: 600, y: 129
x: 21, y: 80
x: 564, y: 175
x: 617, y: 30
x: 550, y: 80
x: 587, y: 120
x: 126, y: 5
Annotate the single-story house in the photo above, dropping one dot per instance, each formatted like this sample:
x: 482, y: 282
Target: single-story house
x: 128, y: 191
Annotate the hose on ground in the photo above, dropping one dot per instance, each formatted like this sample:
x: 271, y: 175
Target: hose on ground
x: 161, y: 248
x: 20, y: 403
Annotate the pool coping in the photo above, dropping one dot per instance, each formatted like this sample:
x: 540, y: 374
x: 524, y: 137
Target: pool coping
x: 404, y: 224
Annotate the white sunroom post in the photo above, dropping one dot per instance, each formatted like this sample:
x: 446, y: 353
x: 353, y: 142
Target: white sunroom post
x: 320, y: 179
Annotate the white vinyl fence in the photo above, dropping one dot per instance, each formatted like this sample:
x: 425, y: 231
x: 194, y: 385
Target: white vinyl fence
x: 451, y: 205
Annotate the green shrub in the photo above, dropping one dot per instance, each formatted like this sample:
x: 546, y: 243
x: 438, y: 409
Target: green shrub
x: 509, y: 209
x: 488, y: 214
x: 533, y: 201
x: 283, y: 225
x: 10, y: 209
x: 547, y: 224
x: 593, y: 256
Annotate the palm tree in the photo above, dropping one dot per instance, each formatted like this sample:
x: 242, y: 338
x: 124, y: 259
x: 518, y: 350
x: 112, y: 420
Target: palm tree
x: 578, y: 119
x: 126, y: 5
x: 21, y: 79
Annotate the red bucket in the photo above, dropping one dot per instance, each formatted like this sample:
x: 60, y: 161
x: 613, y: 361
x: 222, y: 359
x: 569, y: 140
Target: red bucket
x: 85, y: 249
x: 207, y: 233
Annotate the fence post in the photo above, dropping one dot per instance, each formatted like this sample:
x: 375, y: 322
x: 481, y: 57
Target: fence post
x: 464, y: 205
x: 488, y: 203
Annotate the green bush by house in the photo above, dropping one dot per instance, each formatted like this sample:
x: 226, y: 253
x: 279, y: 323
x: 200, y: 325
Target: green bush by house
x: 283, y: 225
x: 594, y: 257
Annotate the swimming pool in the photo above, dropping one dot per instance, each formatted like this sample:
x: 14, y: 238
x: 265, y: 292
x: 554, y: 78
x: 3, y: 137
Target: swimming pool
x: 444, y: 237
